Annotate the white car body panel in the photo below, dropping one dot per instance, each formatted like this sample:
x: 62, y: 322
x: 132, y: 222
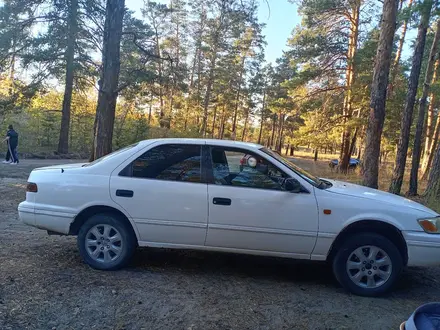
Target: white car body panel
x: 182, y: 215
x: 165, y: 212
x: 265, y: 220
x: 349, y: 209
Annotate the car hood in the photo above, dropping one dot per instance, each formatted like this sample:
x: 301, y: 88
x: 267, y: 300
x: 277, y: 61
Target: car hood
x: 61, y: 166
x: 350, y: 189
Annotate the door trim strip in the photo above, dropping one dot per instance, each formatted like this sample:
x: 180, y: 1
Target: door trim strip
x: 263, y: 230
x: 174, y: 223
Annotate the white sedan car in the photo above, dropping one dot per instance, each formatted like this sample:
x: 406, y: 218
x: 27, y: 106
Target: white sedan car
x: 231, y: 197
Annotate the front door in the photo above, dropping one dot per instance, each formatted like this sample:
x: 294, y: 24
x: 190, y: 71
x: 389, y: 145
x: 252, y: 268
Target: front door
x: 250, y: 210
x: 165, y: 194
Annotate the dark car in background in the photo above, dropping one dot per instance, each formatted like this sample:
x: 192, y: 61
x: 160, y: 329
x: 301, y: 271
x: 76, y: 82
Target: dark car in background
x: 354, y: 163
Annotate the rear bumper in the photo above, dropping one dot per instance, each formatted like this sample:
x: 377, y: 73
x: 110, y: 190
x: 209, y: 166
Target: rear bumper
x: 54, y: 221
x: 423, y: 248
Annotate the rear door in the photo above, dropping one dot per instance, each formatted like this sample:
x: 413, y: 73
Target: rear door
x: 164, y: 191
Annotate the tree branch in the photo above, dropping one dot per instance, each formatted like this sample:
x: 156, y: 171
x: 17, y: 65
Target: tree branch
x: 143, y: 50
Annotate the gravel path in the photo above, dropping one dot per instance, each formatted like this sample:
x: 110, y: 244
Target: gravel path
x: 45, y: 285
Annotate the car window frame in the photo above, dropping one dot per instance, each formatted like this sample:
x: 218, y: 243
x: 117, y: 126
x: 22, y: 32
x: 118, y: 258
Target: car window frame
x: 127, y: 170
x: 210, y: 168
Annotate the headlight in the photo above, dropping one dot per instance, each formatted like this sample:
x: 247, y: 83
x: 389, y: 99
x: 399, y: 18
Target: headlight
x: 430, y: 225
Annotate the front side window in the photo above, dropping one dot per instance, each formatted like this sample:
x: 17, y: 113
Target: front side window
x: 171, y: 162
x: 298, y: 170
x: 241, y: 169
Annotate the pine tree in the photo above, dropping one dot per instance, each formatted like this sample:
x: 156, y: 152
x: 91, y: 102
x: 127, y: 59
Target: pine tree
x: 402, y: 149
x: 417, y: 148
x: 108, y: 84
x: 378, y: 95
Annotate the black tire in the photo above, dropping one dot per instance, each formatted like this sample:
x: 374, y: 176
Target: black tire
x: 360, y: 240
x: 128, y: 241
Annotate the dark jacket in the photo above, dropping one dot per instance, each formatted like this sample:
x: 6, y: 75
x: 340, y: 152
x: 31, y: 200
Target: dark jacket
x: 13, y: 137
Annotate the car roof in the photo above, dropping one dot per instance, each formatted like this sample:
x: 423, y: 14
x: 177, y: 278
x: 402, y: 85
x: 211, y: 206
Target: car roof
x: 225, y: 143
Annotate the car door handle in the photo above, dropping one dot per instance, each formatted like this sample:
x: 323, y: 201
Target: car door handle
x: 221, y: 201
x: 124, y: 193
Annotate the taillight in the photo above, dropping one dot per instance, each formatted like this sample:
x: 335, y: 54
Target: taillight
x: 32, y: 187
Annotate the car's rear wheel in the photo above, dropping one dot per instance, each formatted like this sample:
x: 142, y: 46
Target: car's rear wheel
x: 367, y: 264
x: 106, y: 242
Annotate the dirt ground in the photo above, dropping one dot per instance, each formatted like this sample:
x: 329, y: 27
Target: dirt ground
x: 45, y: 285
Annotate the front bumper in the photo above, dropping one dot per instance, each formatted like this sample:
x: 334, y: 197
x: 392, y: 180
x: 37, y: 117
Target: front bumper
x: 423, y: 248
x: 58, y: 222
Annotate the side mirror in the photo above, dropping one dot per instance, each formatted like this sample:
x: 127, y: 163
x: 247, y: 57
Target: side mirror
x: 292, y: 185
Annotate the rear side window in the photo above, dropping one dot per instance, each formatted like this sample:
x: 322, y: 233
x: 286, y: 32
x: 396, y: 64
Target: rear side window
x: 171, y: 162
x: 109, y: 156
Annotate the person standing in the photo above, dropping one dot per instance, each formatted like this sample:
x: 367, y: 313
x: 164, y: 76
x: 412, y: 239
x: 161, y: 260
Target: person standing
x: 12, y: 142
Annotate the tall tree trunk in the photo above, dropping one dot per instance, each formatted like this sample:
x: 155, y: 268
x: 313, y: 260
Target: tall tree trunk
x: 213, y: 121
x: 417, y: 149
x: 341, y: 151
x: 170, y: 113
x: 12, y: 66
x: 189, y: 103
x: 315, y: 157
x: 396, y: 63
x: 350, y: 75
x: 431, y: 112
x: 370, y: 167
x: 237, y: 100
x: 274, y: 124
x: 108, y: 91
x: 149, y: 113
x: 208, y: 91
x: 199, y: 86
x: 278, y: 131
x: 243, y: 135
x: 354, y: 138
x: 361, y: 141
x: 432, y: 148
x: 162, y: 119
x: 353, y: 142
x: 279, y: 142
x: 215, y: 45
x: 63, y: 143
x: 432, y: 192
x: 430, y: 130
x: 177, y: 61
x: 402, y: 149
x: 92, y: 152
x: 222, y: 132
x: 197, y: 63
x: 263, y: 109
x: 221, y: 122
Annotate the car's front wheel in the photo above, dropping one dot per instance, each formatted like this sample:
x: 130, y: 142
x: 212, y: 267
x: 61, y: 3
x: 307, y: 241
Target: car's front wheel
x: 106, y: 242
x: 367, y: 264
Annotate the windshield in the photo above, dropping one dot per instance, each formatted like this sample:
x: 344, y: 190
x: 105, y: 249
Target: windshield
x: 298, y: 170
x: 117, y: 152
